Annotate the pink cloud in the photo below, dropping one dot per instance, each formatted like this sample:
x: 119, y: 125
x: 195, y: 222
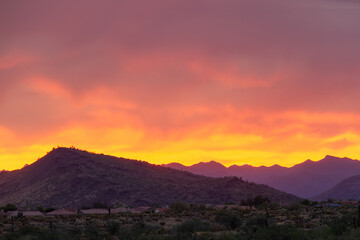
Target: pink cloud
x: 272, y: 68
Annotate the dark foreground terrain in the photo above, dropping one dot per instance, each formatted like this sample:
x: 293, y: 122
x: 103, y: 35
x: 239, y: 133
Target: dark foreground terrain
x: 184, y: 221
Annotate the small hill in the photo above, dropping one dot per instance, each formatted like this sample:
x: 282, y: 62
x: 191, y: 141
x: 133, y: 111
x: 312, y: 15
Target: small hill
x: 305, y: 179
x: 209, y: 169
x: 72, y: 178
x: 349, y: 188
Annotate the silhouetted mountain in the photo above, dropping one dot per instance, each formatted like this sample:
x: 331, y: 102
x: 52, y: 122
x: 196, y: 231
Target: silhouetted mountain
x: 348, y: 188
x: 71, y: 178
x: 209, y: 169
x: 176, y: 166
x: 305, y: 180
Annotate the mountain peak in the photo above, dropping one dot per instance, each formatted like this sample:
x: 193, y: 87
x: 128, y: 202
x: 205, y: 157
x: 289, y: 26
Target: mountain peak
x: 63, y: 157
x: 68, y: 177
x: 62, y: 150
x: 333, y: 158
x: 212, y: 165
x: 330, y: 158
x: 336, y: 161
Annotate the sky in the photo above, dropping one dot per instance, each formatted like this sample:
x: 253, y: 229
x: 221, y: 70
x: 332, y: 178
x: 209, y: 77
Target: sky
x: 257, y: 82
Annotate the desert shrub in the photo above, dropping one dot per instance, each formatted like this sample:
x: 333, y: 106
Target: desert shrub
x: 260, y: 221
x: 197, y: 207
x: 280, y: 233
x: 126, y: 234
x: 266, y: 205
x: 179, y: 207
x: 341, y: 225
x: 294, y: 206
x: 113, y: 228
x: 154, y: 237
x: 258, y: 200
x: 92, y: 232
x: 205, y: 236
x: 50, y: 209
x: 287, y: 232
x: 9, y: 207
x: 192, y: 226
x: 227, y: 236
x: 306, y: 202
x: 139, y: 227
x: 320, y: 233
x: 40, y: 209
x: 353, y: 234
x: 229, y: 219
x: 29, y: 232
x: 73, y: 233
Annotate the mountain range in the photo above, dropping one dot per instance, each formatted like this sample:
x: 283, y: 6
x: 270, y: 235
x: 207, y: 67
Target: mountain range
x: 348, y: 188
x: 68, y: 177
x: 307, y: 179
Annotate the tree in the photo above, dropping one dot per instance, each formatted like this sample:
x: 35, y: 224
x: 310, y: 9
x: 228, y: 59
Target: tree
x: 258, y: 200
x: 229, y: 219
x: 9, y: 207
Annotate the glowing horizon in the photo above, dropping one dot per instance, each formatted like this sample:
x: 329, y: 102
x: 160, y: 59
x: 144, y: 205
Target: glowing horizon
x: 134, y: 157
x: 238, y: 82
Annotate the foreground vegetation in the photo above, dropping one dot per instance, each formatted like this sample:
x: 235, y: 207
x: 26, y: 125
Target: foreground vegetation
x: 184, y: 221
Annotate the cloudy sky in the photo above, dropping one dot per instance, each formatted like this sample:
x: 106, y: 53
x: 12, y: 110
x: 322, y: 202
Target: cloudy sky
x: 258, y: 82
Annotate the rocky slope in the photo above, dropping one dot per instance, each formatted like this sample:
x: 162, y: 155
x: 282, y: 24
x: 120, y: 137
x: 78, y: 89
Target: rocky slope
x: 72, y: 178
x: 347, y: 189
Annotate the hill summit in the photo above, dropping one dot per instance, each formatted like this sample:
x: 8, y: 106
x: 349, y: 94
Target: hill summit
x: 68, y: 177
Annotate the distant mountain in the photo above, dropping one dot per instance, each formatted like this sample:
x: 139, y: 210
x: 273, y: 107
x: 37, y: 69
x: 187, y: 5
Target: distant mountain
x: 349, y: 188
x: 305, y: 180
x: 72, y: 178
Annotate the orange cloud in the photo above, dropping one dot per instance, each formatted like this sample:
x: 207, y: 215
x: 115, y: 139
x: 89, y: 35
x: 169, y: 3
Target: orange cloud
x: 213, y: 141
x: 12, y: 60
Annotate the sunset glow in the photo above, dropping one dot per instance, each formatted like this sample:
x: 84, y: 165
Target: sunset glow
x: 239, y: 82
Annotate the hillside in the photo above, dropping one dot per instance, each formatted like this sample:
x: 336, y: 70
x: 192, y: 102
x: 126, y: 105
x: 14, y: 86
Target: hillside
x: 349, y: 188
x: 71, y: 178
x: 305, y: 180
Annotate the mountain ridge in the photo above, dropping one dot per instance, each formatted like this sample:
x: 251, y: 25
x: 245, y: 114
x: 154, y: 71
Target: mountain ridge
x: 348, y: 188
x: 306, y: 179
x: 67, y: 177
x: 326, y: 158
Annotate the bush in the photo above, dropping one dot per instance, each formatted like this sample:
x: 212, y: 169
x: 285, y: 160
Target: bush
x: 280, y: 233
x: 227, y: 236
x: 197, y: 207
x: 305, y: 202
x: 9, y: 207
x: 113, y: 228
x: 92, y: 232
x: 354, y: 234
x: 342, y: 225
x: 260, y: 221
x: 259, y: 200
x: 192, y: 226
x: 294, y: 206
x: 229, y: 219
x: 179, y: 207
